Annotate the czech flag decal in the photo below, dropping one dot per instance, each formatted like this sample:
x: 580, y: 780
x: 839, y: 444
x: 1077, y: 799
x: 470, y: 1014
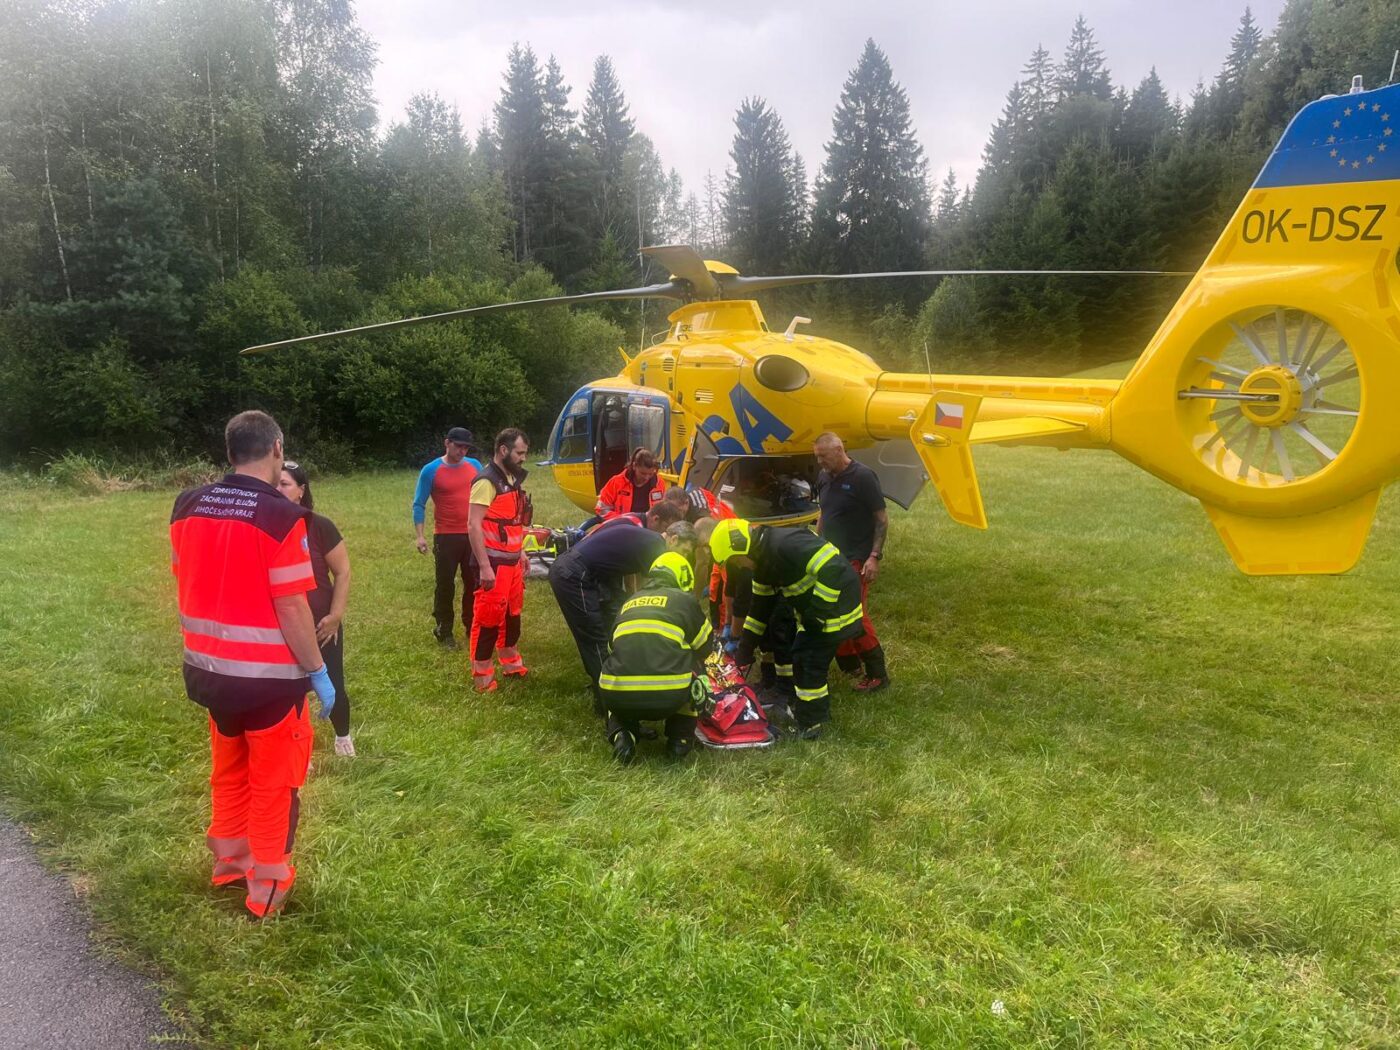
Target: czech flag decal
x: 948, y: 415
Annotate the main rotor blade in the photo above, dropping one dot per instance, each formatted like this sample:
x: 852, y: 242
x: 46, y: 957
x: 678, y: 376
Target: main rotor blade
x: 669, y: 290
x: 684, y: 263
x: 732, y: 283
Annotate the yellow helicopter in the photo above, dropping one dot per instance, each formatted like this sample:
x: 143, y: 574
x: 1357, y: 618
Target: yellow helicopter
x: 1259, y: 394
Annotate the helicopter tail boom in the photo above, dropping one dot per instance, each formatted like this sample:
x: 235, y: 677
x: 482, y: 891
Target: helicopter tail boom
x: 1266, y: 392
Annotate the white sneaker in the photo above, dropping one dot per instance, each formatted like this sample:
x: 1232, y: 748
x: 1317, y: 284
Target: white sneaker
x: 345, y: 747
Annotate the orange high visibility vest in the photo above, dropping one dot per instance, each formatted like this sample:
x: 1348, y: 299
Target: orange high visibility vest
x: 507, y: 516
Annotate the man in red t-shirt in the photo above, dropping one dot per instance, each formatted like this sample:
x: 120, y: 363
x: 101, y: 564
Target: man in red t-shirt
x: 239, y: 553
x: 447, y: 481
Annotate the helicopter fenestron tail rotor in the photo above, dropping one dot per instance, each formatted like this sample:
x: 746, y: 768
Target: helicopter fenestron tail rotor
x: 1286, y: 394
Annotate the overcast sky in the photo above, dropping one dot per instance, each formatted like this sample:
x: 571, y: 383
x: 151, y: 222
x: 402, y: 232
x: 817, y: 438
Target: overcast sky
x: 686, y: 66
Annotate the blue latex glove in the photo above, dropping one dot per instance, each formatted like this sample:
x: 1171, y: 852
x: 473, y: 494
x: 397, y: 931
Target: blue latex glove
x: 727, y: 641
x: 325, y: 690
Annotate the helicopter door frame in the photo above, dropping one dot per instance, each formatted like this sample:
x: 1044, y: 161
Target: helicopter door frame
x: 726, y: 465
x: 566, y: 431
x: 655, y: 433
x: 702, y: 460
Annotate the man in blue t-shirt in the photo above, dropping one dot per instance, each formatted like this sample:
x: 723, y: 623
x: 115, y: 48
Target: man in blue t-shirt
x: 447, y: 481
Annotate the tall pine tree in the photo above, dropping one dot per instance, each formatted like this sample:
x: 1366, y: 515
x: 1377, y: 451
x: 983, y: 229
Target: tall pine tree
x: 871, y: 207
x: 608, y: 130
x: 1083, y: 72
x: 561, y: 233
x: 762, y: 212
x: 1227, y: 94
x: 1148, y: 119
x: 520, y: 137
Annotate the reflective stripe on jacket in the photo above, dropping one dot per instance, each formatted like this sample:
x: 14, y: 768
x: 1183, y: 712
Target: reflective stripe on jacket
x: 810, y: 573
x: 658, y: 634
x: 235, y: 547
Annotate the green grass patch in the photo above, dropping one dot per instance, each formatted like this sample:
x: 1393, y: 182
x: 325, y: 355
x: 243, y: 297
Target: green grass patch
x: 1139, y: 798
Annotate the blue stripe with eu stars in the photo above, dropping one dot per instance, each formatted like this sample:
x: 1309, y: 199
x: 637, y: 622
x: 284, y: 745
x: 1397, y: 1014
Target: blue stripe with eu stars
x: 1346, y: 138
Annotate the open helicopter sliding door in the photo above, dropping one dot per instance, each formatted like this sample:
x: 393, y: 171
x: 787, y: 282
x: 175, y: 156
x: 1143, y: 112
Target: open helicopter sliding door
x: 622, y: 423
x: 702, y: 460
x: 897, y: 465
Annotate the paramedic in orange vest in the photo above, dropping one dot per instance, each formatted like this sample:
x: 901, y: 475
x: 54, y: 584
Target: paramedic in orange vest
x: 637, y: 489
x: 242, y: 564
x: 500, y: 510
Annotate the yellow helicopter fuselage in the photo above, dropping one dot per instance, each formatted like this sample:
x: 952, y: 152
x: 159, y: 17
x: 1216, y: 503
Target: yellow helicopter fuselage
x: 1261, y: 394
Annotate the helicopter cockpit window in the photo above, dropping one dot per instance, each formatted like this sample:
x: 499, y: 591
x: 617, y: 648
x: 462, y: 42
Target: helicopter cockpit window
x: 573, y: 432
x: 646, y: 428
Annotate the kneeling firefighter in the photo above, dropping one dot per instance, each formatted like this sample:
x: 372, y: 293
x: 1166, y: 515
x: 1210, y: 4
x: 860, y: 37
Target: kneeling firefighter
x: 660, y: 641
x: 823, y: 590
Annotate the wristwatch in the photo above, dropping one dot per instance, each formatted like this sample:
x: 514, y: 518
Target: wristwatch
x: 877, y: 555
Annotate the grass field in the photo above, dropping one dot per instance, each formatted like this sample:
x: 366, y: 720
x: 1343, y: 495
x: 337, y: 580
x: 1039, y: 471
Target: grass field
x: 1140, y: 799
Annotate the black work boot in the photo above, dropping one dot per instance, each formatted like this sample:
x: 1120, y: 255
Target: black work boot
x: 624, y: 747
x: 679, y: 747
x: 777, y: 704
x: 812, y: 717
x: 876, y: 676
x: 444, y: 637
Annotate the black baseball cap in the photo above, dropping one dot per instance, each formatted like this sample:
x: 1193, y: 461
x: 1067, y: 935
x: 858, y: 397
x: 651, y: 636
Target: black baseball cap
x: 461, y: 436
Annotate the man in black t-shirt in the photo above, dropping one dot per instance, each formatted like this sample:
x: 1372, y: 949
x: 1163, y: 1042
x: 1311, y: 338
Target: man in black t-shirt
x: 853, y: 519
x: 589, y: 580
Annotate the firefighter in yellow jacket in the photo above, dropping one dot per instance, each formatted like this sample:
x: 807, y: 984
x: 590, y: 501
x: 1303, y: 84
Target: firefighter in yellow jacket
x: 658, y: 644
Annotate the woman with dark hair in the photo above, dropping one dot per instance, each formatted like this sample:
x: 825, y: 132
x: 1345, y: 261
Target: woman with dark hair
x: 636, y: 490
x: 331, y: 565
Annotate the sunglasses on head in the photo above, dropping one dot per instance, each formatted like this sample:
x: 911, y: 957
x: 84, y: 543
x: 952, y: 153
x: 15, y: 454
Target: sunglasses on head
x: 290, y: 464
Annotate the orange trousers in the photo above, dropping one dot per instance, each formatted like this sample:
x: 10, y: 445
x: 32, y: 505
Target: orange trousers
x: 867, y: 640
x: 254, y: 786
x: 496, y: 625
x: 719, y: 580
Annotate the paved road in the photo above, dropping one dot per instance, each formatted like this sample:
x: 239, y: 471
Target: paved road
x: 55, y: 990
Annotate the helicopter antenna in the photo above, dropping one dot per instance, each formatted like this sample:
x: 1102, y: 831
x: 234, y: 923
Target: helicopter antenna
x: 928, y: 367
x: 646, y: 265
x: 1394, y: 60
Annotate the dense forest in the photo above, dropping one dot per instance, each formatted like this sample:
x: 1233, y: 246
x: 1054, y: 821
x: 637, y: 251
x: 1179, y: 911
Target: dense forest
x: 182, y: 178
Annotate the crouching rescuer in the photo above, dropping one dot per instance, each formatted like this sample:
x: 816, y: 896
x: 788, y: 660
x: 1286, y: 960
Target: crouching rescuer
x: 500, y: 511
x: 820, y: 586
x: 658, y: 644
